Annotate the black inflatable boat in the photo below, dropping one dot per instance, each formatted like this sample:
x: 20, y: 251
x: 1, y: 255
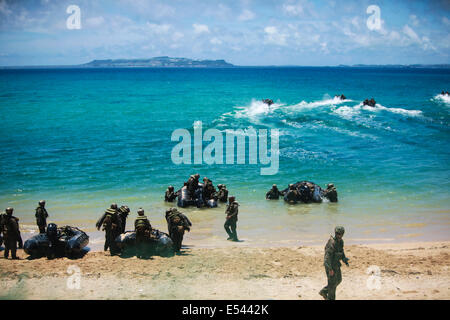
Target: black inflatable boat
x: 68, y: 241
x: 159, y: 243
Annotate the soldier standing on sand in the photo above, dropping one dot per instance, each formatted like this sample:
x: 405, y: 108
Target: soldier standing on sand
x: 143, y: 229
x: 41, y: 216
x: 123, y: 213
x: 177, y: 223
x: 9, y: 225
x: 334, y: 252
x: 112, y: 225
x: 231, y: 219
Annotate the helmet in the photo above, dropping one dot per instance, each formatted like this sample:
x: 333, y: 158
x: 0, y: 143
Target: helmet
x: 9, y: 211
x: 114, y: 206
x: 339, y: 230
x: 170, y: 188
x: 140, y: 211
x: 291, y: 187
x: 220, y: 186
x: 274, y: 186
x: 232, y: 198
x: 196, y: 176
x: 52, y: 230
x: 330, y: 185
x: 42, y: 202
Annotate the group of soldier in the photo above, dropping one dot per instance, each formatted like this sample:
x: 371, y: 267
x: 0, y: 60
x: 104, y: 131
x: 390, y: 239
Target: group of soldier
x: 303, y: 192
x: 113, y: 222
x: 192, y: 185
x: 9, y: 228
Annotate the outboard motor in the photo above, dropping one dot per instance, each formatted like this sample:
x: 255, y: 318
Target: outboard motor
x: 52, y: 235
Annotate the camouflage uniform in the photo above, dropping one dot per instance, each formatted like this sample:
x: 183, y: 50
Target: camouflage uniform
x: 143, y: 228
x: 123, y: 214
x: 222, y: 195
x: 209, y: 192
x: 9, y: 226
x: 273, y: 194
x: 232, y: 218
x: 41, y: 218
x: 170, y: 195
x: 112, y: 225
x: 334, y: 252
x: 177, y: 223
x: 331, y: 193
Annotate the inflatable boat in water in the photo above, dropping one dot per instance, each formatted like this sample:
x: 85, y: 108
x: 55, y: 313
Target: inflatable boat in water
x: 159, y: 243
x: 184, y: 200
x: 306, y: 192
x: 66, y: 241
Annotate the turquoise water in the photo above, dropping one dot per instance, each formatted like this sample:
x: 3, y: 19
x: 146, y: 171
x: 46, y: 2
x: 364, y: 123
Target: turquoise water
x: 82, y: 139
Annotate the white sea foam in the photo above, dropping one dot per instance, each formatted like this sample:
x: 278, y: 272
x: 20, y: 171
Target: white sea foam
x: 442, y: 98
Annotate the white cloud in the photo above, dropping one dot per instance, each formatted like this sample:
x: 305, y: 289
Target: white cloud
x: 273, y: 36
x: 411, y: 33
x: 158, y: 28
x: 246, y: 15
x: 293, y: 9
x: 215, y: 41
x: 95, y: 21
x: 414, y: 20
x: 4, y: 8
x: 200, y: 28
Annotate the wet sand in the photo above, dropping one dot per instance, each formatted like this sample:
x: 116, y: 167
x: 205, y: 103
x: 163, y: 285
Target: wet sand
x: 407, y: 271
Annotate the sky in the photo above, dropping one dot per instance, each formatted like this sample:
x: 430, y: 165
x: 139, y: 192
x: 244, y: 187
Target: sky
x: 243, y: 32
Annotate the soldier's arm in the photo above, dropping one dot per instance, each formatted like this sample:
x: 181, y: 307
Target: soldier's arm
x: 99, y: 222
x: 186, y: 219
x: 329, y: 251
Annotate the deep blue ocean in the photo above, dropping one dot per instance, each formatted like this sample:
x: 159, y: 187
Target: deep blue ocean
x: 83, y: 138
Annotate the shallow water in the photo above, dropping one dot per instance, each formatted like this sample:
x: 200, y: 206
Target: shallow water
x: 82, y: 139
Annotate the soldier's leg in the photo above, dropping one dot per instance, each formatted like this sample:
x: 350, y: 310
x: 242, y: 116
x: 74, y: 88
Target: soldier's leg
x: 41, y: 228
x: 14, y: 249
x: 332, y: 286
x: 105, y: 248
x: 233, y: 230
x: 324, y: 291
x: 6, y: 253
x: 227, y: 229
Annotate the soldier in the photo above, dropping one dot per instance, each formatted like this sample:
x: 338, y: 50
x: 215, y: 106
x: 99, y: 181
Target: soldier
x: 334, y: 252
x: 191, y: 186
x: 331, y: 193
x: 274, y: 193
x: 170, y: 195
x: 291, y: 195
x: 143, y: 229
x: 41, y: 216
x: 112, y: 225
x: 209, y: 192
x: 177, y: 223
x: 9, y: 225
x: 231, y: 219
x: 123, y: 214
x: 222, y: 194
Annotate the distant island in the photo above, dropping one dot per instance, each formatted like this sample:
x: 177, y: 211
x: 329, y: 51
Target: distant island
x: 157, y: 62
x: 403, y: 66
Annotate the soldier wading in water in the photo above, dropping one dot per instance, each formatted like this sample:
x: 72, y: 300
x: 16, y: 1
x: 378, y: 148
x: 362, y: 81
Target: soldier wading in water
x: 334, y: 252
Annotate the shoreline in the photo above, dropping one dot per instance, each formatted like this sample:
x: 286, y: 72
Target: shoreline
x: 411, y: 270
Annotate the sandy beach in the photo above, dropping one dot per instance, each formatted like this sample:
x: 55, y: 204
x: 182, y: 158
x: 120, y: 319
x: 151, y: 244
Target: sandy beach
x: 399, y: 271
